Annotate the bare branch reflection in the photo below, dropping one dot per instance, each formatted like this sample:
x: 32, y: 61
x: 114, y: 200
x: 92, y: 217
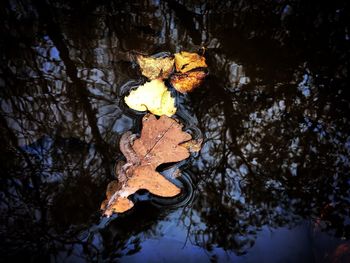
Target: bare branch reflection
x: 273, y: 112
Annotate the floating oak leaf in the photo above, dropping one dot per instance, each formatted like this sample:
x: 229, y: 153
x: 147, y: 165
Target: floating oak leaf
x: 160, y: 142
x: 186, y: 61
x: 154, y: 68
x: 153, y: 96
x: 187, y: 82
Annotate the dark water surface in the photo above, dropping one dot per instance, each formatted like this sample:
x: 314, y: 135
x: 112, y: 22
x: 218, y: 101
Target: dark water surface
x: 271, y: 183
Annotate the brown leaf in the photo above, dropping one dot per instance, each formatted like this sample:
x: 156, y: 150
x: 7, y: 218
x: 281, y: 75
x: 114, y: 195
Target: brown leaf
x: 154, y: 68
x: 187, y: 82
x: 160, y: 142
x: 186, y: 61
x: 144, y: 177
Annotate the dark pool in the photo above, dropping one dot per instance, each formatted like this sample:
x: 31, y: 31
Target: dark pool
x: 271, y: 183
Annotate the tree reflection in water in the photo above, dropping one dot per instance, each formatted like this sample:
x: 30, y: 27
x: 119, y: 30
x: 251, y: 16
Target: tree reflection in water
x: 274, y: 118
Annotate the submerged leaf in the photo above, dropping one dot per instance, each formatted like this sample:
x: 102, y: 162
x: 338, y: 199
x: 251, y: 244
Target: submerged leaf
x: 186, y: 61
x: 153, y: 96
x: 186, y: 82
x: 160, y: 142
x: 154, y: 68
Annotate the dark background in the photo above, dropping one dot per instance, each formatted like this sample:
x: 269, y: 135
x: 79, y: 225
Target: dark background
x: 271, y: 183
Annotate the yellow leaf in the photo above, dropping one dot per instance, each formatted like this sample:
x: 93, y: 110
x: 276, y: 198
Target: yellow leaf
x: 186, y: 61
x: 153, y: 96
x: 154, y: 68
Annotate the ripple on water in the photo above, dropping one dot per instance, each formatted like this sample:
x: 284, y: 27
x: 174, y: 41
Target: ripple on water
x: 183, y: 199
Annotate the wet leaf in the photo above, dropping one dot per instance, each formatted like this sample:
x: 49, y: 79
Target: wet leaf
x: 187, y: 82
x: 152, y: 96
x: 186, y: 61
x: 154, y: 68
x: 160, y: 142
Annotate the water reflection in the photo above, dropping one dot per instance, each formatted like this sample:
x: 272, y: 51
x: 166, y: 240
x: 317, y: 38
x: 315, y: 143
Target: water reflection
x: 274, y: 118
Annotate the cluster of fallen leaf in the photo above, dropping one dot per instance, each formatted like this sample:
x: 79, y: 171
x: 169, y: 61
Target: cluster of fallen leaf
x: 154, y: 96
x: 162, y: 140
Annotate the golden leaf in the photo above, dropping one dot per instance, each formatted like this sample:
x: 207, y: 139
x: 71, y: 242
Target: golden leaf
x: 186, y: 61
x: 154, y: 68
x: 186, y: 82
x: 152, y: 96
x: 160, y: 142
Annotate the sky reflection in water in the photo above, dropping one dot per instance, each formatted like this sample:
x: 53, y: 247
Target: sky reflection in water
x: 272, y: 180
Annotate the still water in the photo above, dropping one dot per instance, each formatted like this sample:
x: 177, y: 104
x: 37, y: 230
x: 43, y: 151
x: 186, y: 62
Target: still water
x: 271, y: 183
